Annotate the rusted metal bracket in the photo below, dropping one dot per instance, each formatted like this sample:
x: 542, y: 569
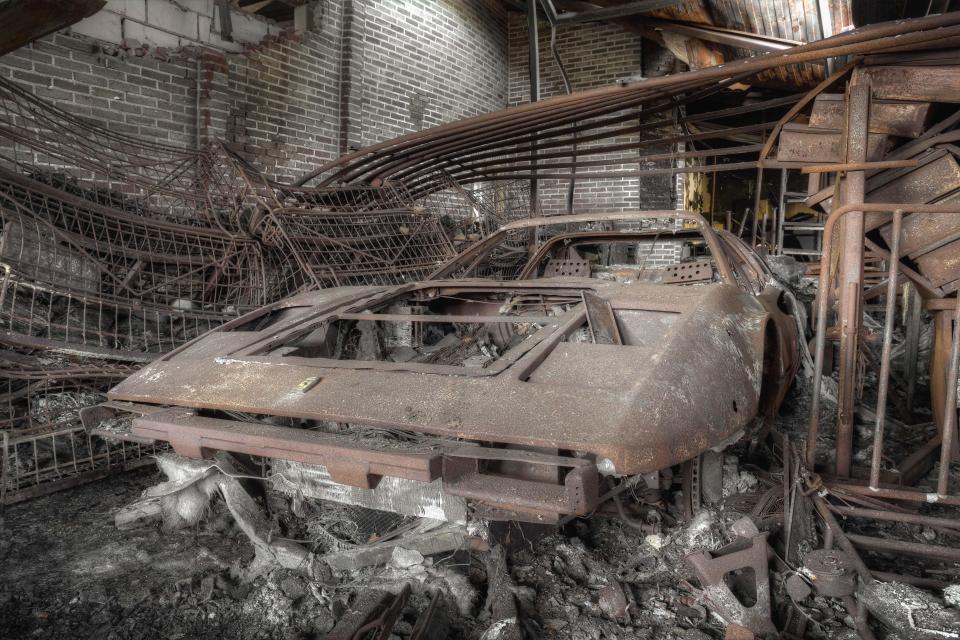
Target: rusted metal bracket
x: 712, y: 573
x: 529, y: 500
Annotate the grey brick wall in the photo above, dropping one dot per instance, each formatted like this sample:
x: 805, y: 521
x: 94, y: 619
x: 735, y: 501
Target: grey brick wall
x: 147, y: 96
x: 280, y: 101
x: 427, y: 62
x: 295, y: 100
x: 594, y: 55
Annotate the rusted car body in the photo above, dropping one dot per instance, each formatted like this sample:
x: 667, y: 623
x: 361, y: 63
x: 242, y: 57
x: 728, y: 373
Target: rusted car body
x: 525, y: 398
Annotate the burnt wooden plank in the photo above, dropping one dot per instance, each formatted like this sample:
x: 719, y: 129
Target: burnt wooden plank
x: 26, y: 20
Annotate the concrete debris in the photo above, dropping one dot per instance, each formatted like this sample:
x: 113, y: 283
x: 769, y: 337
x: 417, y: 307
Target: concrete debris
x: 910, y: 612
x: 951, y: 595
x: 703, y: 532
x: 405, y: 558
x: 736, y: 481
x: 656, y: 540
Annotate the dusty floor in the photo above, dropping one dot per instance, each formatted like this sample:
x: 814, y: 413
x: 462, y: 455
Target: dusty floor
x: 67, y: 572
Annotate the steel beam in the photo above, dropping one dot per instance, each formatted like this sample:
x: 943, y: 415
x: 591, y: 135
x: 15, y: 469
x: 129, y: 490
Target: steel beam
x: 851, y: 267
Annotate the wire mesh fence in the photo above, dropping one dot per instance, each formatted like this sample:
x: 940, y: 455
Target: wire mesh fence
x: 43, y: 443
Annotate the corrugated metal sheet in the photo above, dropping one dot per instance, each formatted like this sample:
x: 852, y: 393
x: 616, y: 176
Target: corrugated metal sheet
x: 789, y: 19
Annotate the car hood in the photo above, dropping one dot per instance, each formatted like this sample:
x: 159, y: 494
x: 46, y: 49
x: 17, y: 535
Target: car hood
x: 687, y: 379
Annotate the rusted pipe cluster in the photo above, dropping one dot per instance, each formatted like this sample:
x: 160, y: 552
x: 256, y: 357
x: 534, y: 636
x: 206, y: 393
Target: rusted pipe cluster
x: 493, y: 146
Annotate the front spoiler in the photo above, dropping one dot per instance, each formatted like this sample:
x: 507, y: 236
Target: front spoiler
x: 467, y: 471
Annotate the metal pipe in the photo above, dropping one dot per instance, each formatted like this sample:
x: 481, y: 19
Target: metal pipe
x: 465, y: 166
x: 926, y: 583
x: 884, y: 384
x: 757, y: 197
x: 950, y: 408
x: 781, y: 213
x: 721, y: 35
x: 842, y: 538
x: 868, y: 39
x: 499, y: 135
x: 912, y: 310
x: 858, y: 166
x: 895, y: 516
x: 612, y: 13
x: 911, y: 495
x: 934, y: 552
x: 852, y: 190
x: 552, y: 16
x: 557, y: 137
x: 533, y: 58
x: 506, y: 124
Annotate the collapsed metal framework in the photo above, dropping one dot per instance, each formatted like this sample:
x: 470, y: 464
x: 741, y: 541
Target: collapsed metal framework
x: 584, y: 135
x: 880, y: 156
x: 117, y: 249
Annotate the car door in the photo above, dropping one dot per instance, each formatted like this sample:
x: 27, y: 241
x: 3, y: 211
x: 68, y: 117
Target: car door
x: 755, y: 276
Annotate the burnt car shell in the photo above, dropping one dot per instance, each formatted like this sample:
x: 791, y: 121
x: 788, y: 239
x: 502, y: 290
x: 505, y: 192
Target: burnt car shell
x: 692, y: 369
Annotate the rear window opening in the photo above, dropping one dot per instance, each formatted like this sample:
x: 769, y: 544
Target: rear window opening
x: 434, y: 327
x: 666, y: 261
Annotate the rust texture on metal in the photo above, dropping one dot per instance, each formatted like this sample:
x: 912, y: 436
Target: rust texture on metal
x: 905, y: 119
x: 831, y: 572
x: 644, y: 340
